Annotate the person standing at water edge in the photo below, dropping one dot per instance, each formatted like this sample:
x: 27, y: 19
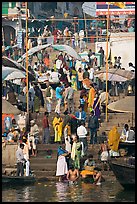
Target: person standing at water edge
x: 62, y: 167
x: 46, y: 133
x: 20, y: 160
x: 76, y: 151
x: 26, y: 155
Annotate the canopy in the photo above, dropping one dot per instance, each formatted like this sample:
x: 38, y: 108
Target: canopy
x: 69, y: 50
x: 118, y: 75
x: 33, y: 50
x: 9, y: 73
x: 126, y: 104
x: 8, y: 108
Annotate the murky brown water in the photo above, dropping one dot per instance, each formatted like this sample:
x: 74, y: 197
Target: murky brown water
x: 64, y: 192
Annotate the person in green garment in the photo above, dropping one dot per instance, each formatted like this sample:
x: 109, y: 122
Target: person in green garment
x: 76, y: 151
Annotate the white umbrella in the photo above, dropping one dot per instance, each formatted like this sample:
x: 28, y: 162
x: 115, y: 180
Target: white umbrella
x: 118, y: 75
x: 7, y: 62
x: 9, y: 73
x: 69, y: 50
x: 33, y: 50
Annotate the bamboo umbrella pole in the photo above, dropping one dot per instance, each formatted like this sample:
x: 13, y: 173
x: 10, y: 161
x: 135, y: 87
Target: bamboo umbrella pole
x: 27, y: 76
x: 107, y: 66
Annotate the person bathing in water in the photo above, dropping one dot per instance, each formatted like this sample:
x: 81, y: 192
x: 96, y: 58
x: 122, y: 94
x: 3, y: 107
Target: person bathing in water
x: 72, y: 175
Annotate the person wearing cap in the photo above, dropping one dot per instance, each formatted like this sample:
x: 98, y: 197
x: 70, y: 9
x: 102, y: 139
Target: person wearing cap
x: 34, y: 131
x: 93, y: 126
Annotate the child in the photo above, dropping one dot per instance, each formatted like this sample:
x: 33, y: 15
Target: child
x: 82, y: 102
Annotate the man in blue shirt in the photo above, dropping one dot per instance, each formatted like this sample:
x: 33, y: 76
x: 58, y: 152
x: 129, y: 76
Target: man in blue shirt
x: 80, y: 115
x: 59, y: 92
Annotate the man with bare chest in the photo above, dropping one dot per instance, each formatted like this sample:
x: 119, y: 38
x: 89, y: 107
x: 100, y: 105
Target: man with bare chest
x: 72, y: 175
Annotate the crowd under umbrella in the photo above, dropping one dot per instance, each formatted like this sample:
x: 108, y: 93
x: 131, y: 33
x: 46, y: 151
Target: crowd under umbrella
x: 67, y: 49
x: 124, y: 105
x: 8, y: 108
x: 33, y: 50
x: 62, y: 48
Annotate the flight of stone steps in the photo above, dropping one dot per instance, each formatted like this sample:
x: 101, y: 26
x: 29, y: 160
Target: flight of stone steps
x: 44, y: 165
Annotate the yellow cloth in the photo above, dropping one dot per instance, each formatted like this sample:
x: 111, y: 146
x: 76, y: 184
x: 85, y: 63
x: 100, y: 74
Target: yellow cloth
x: 57, y: 125
x: 87, y: 172
x: 119, y: 4
x: 73, y: 151
x: 55, y: 121
x: 68, y: 129
x: 91, y: 97
x: 113, y: 139
x: 74, y: 82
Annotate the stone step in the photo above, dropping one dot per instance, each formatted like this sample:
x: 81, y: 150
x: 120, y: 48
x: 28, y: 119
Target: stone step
x: 43, y: 166
x: 49, y: 146
x: 43, y: 160
x: 45, y: 173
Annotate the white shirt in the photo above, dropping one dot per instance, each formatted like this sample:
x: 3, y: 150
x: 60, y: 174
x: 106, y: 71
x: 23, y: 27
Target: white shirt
x: 91, y: 73
x: 58, y: 64
x: 80, y: 115
x: 81, y: 131
x: 54, y: 77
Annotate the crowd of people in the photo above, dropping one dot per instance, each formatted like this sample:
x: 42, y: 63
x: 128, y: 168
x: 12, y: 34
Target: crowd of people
x: 62, y: 77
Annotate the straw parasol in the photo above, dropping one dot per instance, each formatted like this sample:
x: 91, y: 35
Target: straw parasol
x: 8, y: 108
x: 126, y: 104
x: 115, y: 75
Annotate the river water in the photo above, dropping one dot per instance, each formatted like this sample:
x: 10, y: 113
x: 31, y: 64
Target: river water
x: 51, y: 191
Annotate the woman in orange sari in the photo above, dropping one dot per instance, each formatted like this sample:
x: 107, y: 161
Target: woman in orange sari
x: 91, y: 97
